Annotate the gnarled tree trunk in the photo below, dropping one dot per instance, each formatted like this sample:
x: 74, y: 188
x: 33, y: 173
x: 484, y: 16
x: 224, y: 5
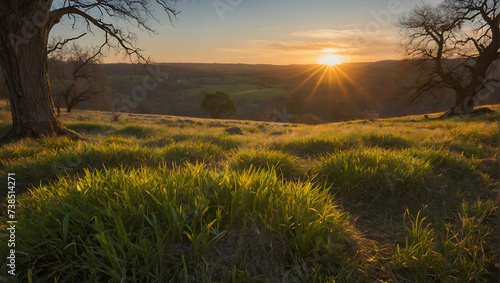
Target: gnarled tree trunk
x: 464, y: 104
x: 23, y: 58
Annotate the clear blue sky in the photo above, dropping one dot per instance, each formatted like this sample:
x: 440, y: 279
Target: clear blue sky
x: 270, y: 31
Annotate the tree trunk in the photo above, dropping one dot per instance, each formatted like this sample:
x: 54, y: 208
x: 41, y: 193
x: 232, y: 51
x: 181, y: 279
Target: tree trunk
x: 58, y: 102
x: 23, y: 58
x: 69, y: 103
x: 464, y: 104
x: 68, y: 110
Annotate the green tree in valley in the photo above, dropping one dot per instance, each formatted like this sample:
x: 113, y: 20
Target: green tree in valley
x: 218, y: 105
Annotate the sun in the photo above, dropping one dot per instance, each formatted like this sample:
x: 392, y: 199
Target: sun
x: 331, y: 60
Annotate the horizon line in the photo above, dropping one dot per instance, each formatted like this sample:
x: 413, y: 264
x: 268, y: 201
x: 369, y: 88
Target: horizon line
x: 254, y: 64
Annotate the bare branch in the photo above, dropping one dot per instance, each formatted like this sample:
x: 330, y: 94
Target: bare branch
x: 134, y: 12
x: 60, y: 44
x: 461, y: 37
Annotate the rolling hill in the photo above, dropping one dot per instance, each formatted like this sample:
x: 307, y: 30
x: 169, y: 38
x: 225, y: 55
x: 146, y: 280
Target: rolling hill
x: 154, y: 197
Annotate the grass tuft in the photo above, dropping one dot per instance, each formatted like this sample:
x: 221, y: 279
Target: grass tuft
x: 283, y: 164
x: 369, y: 172
x: 386, y: 140
x: 137, y: 131
x: 312, y: 147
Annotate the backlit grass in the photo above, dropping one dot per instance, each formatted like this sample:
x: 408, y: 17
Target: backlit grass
x: 464, y: 252
x: 162, y: 224
x: 285, y: 165
x: 180, y: 200
x: 374, y: 171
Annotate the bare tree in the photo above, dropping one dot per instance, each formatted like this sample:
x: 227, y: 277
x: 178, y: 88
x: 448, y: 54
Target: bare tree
x: 75, y: 76
x: 24, y: 29
x: 455, y: 44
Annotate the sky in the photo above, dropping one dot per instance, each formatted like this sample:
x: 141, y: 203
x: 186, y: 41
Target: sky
x: 278, y: 32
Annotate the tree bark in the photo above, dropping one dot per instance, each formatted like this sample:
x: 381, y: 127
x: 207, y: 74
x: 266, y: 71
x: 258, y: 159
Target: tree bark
x: 464, y: 105
x: 23, y: 58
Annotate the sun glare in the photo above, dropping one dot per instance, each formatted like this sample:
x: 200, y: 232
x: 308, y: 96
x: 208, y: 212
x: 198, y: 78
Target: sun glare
x: 331, y: 60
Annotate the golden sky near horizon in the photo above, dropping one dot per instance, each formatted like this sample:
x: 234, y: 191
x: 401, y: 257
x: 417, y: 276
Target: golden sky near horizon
x: 268, y: 32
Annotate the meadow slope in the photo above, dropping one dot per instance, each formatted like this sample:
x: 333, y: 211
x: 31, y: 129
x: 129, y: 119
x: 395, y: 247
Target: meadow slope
x: 166, y: 199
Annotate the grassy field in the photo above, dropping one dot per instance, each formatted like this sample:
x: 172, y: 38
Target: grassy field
x: 164, y: 199
x: 257, y: 95
x: 226, y: 88
x: 237, y: 92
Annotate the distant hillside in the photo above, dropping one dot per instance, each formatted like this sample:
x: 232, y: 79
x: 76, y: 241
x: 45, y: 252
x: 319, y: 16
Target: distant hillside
x: 310, y: 93
x: 341, y: 93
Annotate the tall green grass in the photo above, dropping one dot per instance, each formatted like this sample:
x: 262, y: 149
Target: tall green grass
x: 311, y: 147
x: 183, y: 225
x: 284, y: 164
x: 368, y: 172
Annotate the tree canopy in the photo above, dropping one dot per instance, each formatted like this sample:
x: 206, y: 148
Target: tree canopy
x: 218, y: 105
